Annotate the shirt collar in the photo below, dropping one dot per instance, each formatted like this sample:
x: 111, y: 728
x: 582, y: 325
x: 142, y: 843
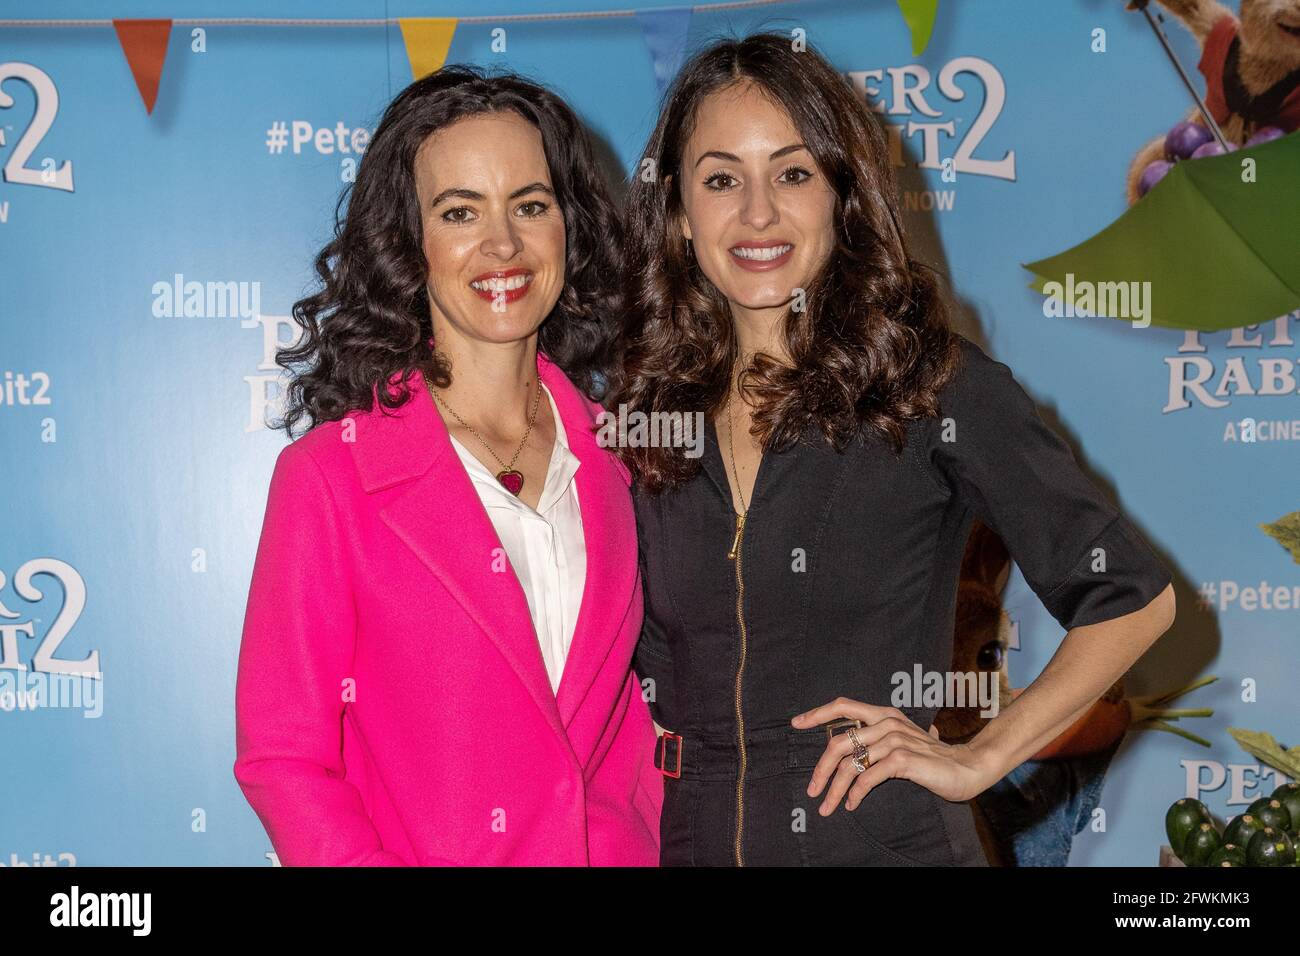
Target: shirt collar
x: 559, y: 473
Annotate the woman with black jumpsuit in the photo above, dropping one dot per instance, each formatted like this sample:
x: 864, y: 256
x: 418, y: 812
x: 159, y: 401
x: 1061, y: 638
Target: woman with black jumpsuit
x: 837, y: 570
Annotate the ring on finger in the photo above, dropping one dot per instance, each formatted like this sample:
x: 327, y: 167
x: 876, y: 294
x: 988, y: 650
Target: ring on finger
x: 859, y: 751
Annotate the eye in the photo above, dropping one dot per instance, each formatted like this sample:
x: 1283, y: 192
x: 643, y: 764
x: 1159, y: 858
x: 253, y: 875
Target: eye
x: 990, y: 657
x: 533, y: 208
x: 458, y: 214
x: 720, y: 181
x: 794, y: 175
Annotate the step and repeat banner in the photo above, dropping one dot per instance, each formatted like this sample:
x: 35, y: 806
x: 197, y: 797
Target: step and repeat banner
x: 165, y: 182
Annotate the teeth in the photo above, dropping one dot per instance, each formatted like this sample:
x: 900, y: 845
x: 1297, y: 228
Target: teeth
x: 762, y: 255
x: 502, y: 285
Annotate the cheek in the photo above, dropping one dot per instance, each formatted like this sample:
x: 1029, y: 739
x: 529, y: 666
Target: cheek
x: 714, y: 260
x: 708, y: 221
x: 817, y: 223
x: 551, y: 245
x: 446, y: 255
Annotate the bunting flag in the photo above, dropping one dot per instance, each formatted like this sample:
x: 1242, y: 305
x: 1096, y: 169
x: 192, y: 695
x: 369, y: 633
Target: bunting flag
x: 664, y: 31
x: 145, y: 44
x: 427, y: 41
x: 919, y: 15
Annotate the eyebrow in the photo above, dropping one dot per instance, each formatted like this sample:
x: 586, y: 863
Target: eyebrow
x: 733, y: 158
x: 459, y: 192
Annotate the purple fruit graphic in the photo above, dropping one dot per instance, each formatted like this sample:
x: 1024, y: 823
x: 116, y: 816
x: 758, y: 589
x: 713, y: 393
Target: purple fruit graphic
x: 1265, y: 134
x: 1184, y: 139
x: 1212, y: 148
x: 1154, y: 172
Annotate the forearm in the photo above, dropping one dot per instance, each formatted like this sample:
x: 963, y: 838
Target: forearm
x: 1089, y: 660
x: 295, y: 654
x: 311, y: 817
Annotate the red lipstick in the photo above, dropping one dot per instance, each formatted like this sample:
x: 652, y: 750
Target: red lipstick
x: 503, y: 284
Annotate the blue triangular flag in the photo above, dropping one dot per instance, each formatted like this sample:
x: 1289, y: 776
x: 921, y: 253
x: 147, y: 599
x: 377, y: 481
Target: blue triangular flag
x: 665, y: 30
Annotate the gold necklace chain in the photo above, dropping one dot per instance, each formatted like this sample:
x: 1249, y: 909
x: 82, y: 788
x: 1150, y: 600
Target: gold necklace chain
x: 473, y: 431
x: 731, y: 451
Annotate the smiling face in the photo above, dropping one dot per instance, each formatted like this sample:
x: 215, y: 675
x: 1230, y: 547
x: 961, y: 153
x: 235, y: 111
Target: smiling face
x: 493, y: 232
x: 758, y: 211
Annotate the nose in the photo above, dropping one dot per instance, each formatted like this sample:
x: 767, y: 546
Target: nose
x: 759, y: 210
x: 501, y: 240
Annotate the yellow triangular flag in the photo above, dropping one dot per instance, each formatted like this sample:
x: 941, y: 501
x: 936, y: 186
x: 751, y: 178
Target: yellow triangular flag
x: 427, y: 41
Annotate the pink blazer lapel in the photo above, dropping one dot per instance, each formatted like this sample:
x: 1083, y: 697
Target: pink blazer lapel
x: 439, y: 516
x: 609, y: 531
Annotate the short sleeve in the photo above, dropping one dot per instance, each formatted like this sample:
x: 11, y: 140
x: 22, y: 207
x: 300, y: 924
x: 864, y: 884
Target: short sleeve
x: 1083, y: 558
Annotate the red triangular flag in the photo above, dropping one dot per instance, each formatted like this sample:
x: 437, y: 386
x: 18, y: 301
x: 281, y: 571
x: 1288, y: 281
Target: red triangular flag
x: 145, y: 44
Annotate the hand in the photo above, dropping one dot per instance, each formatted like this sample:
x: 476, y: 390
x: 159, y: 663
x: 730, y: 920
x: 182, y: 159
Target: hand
x: 898, y: 748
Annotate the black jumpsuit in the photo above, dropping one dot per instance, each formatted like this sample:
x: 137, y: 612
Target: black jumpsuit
x: 847, y: 573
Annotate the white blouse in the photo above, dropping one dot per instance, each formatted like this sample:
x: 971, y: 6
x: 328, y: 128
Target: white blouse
x: 545, y: 545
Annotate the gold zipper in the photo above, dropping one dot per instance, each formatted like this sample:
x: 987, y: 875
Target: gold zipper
x: 735, y: 555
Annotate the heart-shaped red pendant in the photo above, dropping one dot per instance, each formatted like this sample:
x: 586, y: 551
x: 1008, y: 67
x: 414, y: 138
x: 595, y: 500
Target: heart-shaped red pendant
x: 512, y: 481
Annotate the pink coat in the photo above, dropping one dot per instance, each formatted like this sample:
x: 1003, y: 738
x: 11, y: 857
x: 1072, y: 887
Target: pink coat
x: 392, y: 706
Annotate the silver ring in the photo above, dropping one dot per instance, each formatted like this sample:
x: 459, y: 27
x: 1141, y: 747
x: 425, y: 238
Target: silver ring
x: 858, y: 765
x: 859, y: 751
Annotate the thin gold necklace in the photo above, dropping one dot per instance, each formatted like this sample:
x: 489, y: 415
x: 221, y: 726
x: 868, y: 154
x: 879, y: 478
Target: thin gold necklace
x: 510, y: 479
x: 731, y: 451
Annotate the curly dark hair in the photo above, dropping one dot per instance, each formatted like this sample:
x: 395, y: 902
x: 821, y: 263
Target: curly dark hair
x: 371, y: 321
x: 873, y: 346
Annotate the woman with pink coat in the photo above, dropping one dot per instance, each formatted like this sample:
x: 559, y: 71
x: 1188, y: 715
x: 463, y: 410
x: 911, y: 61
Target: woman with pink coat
x: 435, y: 666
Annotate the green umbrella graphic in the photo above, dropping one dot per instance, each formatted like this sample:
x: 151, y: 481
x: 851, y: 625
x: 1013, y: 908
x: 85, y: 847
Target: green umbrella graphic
x: 919, y: 16
x: 1218, y: 239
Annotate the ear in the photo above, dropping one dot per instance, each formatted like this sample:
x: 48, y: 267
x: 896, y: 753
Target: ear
x: 682, y: 223
x: 986, y: 560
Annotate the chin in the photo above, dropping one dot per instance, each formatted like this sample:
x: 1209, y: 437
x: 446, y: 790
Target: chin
x: 766, y: 298
x: 510, y: 331
x: 767, y: 291
x: 758, y: 305
x: 518, y: 321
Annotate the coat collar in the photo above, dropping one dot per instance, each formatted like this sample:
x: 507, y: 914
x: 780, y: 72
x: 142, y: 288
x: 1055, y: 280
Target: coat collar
x: 410, y: 440
x: 432, y: 506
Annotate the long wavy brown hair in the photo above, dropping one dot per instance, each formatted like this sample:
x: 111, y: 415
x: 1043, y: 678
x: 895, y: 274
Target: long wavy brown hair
x: 872, y: 346
x: 370, y: 317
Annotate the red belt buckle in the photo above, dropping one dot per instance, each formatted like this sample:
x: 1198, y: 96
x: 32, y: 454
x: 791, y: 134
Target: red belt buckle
x: 675, y: 773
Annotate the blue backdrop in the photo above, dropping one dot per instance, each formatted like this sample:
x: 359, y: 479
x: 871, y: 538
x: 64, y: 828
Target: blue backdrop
x: 136, y: 463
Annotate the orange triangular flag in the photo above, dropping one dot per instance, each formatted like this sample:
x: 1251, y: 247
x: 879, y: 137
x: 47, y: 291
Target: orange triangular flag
x: 427, y: 41
x: 145, y: 44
